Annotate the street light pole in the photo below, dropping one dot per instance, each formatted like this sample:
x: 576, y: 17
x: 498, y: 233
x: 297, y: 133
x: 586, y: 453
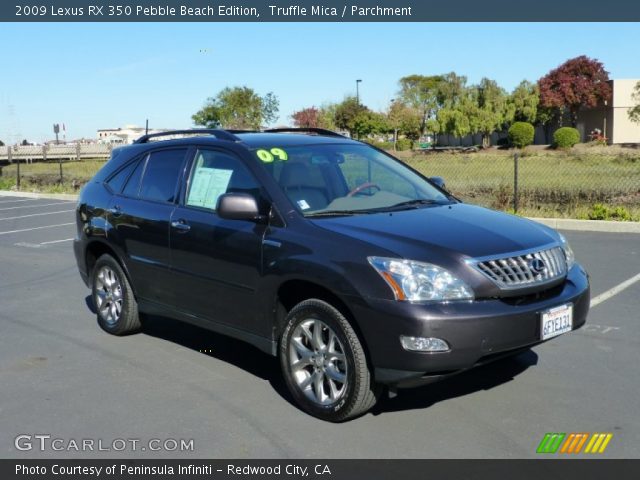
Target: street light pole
x: 358, y: 91
x: 604, y: 132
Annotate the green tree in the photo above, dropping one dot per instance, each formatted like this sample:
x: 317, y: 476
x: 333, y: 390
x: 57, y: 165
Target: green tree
x: 546, y: 117
x: 345, y: 114
x: 421, y: 93
x: 238, y: 108
x: 327, y: 116
x: 524, y: 102
x: 492, y: 111
x: 456, y: 105
x: 454, y: 121
x: 403, y: 120
x: 367, y: 122
x: 1, y: 143
x: 452, y: 89
x: 634, y: 113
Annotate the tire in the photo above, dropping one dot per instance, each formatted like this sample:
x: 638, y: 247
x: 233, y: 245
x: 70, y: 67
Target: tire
x: 332, y: 382
x: 116, y: 306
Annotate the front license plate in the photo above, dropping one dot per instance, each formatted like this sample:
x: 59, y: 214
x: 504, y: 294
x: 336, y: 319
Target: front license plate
x: 556, y: 321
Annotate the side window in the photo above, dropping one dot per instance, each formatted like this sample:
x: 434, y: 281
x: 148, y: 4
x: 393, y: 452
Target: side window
x: 132, y: 187
x: 117, y: 181
x: 216, y: 173
x: 161, y: 175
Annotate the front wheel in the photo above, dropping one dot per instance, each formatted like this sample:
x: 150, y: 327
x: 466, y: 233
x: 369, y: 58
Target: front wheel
x: 324, y: 364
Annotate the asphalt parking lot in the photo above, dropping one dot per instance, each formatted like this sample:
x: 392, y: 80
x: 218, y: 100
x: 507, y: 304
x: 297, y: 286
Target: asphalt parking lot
x: 61, y: 375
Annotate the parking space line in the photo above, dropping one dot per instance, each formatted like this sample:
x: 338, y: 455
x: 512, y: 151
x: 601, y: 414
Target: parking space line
x: 16, y: 201
x: 36, y: 228
x: 35, y: 215
x: 36, y: 206
x: 56, y: 241
x: 615, y: 290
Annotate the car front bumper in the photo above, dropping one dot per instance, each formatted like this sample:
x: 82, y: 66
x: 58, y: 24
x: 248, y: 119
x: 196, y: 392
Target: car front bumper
x: 477, y: 332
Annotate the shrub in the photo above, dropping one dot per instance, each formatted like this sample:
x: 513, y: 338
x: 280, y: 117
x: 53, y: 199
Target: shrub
x: 521, y: 134
x: 382, y: 145
x: 404, y: 144
x: 603, y: 212
x: 566, y: 137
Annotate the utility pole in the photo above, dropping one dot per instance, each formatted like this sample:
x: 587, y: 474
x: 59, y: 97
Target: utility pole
x: 358, y: 91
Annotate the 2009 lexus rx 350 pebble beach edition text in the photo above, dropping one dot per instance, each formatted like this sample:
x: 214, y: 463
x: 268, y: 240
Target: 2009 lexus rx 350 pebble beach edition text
x: 355, y: 270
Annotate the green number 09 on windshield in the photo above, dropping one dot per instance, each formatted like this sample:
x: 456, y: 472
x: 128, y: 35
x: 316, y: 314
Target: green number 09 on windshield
x: 268, y: 156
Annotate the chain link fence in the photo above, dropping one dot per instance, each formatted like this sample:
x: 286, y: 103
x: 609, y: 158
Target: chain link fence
x: 600, y: 183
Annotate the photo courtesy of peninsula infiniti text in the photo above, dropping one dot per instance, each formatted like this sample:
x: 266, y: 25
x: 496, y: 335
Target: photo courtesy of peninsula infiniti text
x: 358, y: 272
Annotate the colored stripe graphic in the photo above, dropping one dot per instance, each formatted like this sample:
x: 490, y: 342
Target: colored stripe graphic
x: 550, y: 442
x: 598, y: 443
x: 574, y: 443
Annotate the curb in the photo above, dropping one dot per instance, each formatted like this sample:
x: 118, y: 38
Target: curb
x: 589, y: 225
x: 52, y: 196
x: 558, y: 223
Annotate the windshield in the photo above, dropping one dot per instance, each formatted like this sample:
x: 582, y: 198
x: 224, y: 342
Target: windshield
x: 346, y: 179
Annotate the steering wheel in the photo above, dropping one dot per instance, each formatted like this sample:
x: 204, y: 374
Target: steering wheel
x: 363, y: 186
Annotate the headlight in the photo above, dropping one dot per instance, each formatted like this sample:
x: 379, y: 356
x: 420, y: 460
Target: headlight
x: 420, y: 282
x: 568, y: 253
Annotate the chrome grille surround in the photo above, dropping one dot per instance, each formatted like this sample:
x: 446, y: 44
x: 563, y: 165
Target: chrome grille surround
x: 523, y: 269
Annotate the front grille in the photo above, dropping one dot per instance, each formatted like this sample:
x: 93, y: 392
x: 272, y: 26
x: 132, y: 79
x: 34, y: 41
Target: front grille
x: 524, y: 270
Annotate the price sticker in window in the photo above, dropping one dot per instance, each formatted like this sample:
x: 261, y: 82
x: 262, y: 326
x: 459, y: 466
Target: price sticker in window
x: 268, y: 156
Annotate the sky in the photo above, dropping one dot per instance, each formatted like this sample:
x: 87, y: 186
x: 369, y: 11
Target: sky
x: 92, y: 75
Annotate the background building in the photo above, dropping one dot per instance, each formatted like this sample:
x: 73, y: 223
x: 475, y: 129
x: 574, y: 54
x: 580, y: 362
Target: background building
x: 124, y: 135
x: 613, y: 118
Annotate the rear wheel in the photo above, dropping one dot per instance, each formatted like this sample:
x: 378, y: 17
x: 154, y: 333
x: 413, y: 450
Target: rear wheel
x: 324, y: 364
x: 116, y: 306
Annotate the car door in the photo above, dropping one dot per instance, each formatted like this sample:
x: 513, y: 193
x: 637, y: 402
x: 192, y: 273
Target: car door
x: 140, y: 216
x: 215, y: 262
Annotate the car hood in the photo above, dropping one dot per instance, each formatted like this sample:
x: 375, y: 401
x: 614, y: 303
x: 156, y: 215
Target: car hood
x: 456, y: 230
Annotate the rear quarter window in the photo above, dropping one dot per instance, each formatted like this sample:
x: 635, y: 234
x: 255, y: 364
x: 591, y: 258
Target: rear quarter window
x: 117, y: 181
x: 161, y: 175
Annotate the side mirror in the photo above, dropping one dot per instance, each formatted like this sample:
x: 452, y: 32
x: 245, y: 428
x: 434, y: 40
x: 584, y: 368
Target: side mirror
x: 439, y: 181
x: 238, y: 206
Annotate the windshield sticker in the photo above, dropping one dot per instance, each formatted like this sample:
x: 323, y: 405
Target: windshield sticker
x: 303, y: 205
x: 265, y: 156
x: 281, y: 154
x: 268, y: 156
x: 207, y: 186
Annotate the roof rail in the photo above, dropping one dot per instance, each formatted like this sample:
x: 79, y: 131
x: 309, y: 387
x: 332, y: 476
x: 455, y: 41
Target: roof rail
x: 220, y: 134
x: 317, y: 131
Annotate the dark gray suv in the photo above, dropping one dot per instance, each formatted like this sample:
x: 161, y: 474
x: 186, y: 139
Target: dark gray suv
x: 354, y: 269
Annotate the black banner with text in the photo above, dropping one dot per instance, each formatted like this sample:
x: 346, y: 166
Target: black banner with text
x: 325, y: 11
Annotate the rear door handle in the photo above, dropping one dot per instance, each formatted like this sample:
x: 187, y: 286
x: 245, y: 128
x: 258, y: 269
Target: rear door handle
x: 181, y: 225
x: 116, y: 211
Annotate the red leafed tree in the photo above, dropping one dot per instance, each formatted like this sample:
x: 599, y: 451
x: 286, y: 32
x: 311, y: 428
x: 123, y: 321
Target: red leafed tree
x: 579, y: 82
x: 306, y: 118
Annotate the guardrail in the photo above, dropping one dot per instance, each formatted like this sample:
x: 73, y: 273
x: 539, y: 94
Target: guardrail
x: 37, y: 153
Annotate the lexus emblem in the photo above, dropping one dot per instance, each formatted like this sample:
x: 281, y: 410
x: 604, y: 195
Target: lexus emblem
x: 537, y: 266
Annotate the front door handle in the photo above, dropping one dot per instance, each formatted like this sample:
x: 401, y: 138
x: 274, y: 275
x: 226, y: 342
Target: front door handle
x: 181, y: 225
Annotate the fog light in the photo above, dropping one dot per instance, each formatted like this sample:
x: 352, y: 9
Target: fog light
x: 423, y: 344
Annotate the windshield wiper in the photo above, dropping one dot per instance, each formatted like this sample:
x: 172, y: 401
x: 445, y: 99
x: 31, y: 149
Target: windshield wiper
x: 411, y: 203
x: 336, y: 213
